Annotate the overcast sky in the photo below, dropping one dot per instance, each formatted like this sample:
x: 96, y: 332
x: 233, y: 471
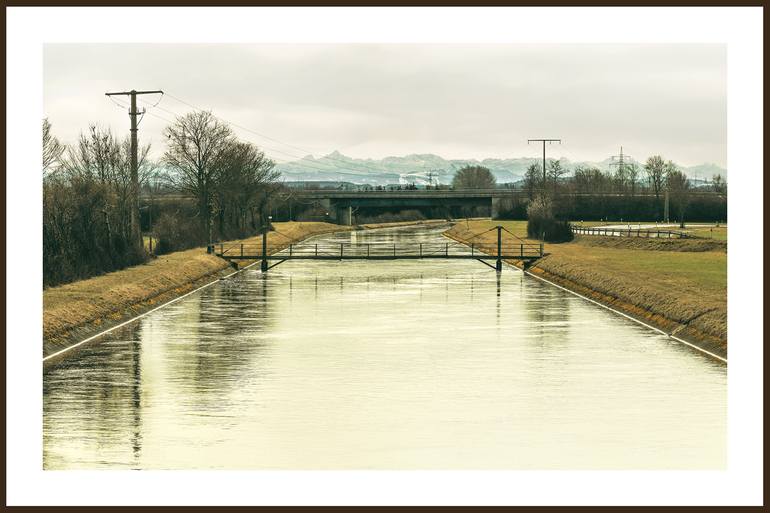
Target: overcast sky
x: 457, y: 101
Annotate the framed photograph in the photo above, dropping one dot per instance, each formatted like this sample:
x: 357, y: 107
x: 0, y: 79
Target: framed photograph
x: 384, y: 256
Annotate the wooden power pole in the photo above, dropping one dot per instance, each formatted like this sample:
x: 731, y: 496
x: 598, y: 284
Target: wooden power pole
x: 544, y: 141
x: 132, y: 113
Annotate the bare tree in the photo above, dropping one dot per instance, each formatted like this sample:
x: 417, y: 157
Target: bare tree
x: 97, y: 156
x: 655, y: 168
x: 52, y: 149
x: 101, y: 157
x: 620, y: 178
x: 590, y: 180
x: 632, y: 175
x: 532, y: 178
x: 87, y: 209
x: 679, y: 191
x: 718, y: 183
x: 474, y: 177
x: 555, y: 173
x: 197, y: 142
x: 245, y: 184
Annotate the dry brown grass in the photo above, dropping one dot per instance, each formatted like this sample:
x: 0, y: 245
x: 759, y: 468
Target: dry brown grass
x: 709, y: 232
x: 680, y: 290
x: 653, y: 243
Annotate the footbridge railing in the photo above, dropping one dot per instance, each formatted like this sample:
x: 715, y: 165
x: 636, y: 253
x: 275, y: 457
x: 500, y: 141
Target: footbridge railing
x: 482, y: 251
x: 381, y: 251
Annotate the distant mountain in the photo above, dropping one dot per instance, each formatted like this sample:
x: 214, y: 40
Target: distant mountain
x: 422, y: 168
x: 705, y: 171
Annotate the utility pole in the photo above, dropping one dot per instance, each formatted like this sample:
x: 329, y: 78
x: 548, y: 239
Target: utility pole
x: 431, y: 174
x: 549, y: 141
x: 620, y: 162
x: 621, y: 159
x: 132, y: 113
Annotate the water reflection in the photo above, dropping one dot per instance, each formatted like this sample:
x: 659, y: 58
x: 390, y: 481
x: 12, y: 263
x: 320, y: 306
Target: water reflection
x: 136, y: 400
x: 409, y: 364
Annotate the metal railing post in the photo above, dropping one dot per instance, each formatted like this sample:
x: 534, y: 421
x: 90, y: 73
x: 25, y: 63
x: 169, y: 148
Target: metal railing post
x: 290, y: 249
x: 368, y: 250
x: 241, y: 249
x: 421, y: 250
x: 316, y: 250
x: 472, y: 244
x: 340, y: 251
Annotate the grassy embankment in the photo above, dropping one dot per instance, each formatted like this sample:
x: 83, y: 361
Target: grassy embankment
x: 76, y: 310
x: 679, y: 286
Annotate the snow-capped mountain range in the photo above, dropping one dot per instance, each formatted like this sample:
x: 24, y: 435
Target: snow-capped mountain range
x: 429, y: 168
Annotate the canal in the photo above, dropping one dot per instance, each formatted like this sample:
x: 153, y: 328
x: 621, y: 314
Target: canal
x: 414, y: 364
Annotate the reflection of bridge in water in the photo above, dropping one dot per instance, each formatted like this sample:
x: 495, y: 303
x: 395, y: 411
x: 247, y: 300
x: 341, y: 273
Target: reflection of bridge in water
x: 502, y: 250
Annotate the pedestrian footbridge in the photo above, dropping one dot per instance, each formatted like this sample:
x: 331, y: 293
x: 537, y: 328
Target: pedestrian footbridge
x: 330, y: 251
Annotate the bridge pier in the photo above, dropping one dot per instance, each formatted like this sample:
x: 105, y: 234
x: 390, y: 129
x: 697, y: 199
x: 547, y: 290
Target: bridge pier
x: 337, y: 213
x: 344, y: 215
x: 495, y: 209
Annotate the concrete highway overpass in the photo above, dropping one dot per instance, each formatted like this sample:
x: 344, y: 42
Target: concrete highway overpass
x: 341, y: 204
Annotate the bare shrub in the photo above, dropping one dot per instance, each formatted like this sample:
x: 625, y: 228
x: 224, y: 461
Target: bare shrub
x: 175, y: 233
x: 541, y: 222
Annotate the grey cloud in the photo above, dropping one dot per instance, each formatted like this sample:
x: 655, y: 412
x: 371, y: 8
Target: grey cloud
x: 460, y: 101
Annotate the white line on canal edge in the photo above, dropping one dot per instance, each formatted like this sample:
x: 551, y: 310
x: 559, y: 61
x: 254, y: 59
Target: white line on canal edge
x: 102, y: 333
x: 724, y: 360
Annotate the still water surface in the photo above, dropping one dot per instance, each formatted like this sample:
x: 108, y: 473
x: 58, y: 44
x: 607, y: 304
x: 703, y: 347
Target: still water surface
x: 412, y: 364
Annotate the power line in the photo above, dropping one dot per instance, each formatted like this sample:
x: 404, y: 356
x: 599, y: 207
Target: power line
x: 159, y: 117
x: 304, y: 150
x: 118, y: 103
x: 301, y: 164
x: 263, y: 146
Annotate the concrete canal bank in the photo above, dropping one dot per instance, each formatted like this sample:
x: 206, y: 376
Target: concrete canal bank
x: 679, y: 288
